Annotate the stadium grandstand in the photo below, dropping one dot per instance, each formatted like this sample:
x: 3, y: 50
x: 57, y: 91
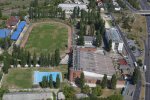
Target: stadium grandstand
x: 4, y: 33
x: 19, y: 29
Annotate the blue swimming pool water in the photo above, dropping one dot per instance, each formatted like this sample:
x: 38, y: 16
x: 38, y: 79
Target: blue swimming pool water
x: 39, y: 75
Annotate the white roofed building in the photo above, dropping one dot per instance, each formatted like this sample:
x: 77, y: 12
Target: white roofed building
x: 69, y: 7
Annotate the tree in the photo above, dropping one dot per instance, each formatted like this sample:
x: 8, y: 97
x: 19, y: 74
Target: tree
x: 82, y: 80
x: 44, y: 82
x: 139, y: 62
x: 51, y: 81
x: 80, y: 39
x: 113, y: 82
x: 49, y: 59
x: 109, y: 45
x: 98, y: 41
x: 57, y: 81
x: 85, y: 89
x: 97, y: 91
x: 53, y: 60
x: 135, y: 76
x: 29, y: 59
x: 69, y: 92
x: 57, y: 57
x: 6, y: 62
x: 104, y: 82
x: 6, y: 66
x: 34, y: 59
x: 0, y: 13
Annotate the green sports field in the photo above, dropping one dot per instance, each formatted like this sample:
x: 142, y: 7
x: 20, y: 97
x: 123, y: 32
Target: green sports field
x: 46, y: 37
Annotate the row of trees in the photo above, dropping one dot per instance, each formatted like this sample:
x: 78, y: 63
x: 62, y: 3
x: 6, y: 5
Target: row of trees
x: 22, y: 57
x: 97, y: 90
x: 112, y: 82
x: 49, y: 10
x: 69, y: 93
x: 93, y: 20
x: 135, y: 76
x: 48, y: 82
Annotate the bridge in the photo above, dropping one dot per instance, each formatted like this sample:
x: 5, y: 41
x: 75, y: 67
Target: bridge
x: 142, y: 12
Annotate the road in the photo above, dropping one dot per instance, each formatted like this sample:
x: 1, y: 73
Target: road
x: 130, y: 54
x: 145, y: 6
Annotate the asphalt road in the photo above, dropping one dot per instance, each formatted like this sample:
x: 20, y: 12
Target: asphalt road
x: 130, y: 54
x: 145, y: 6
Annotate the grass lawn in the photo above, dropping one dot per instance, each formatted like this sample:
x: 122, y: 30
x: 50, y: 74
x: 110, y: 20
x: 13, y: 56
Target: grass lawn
x: 22, y: 77
x: 46, y: 37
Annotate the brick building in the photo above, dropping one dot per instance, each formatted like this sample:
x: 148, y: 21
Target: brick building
x: 12, y: 22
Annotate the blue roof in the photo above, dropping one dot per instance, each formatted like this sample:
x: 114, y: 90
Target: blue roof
x: 4, y: 33
x: 20, y: 27
x: 39, y: 75
x: 15, y: 35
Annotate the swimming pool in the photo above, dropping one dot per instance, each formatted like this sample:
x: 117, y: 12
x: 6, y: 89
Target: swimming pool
x: 39, y: 75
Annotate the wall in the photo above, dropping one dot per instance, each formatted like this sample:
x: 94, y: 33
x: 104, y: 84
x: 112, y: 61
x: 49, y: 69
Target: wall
x: 74, y: 74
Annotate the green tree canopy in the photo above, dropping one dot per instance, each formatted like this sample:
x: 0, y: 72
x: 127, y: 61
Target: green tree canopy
x: 82, y: 80
x: 57, y: 81
x: 69, y: 92
x: 97, y: 91
x: 51, y: 81
x: 113, y: 81
x: 104, y: 82
x: 135, y: 76
x: 85, y: 89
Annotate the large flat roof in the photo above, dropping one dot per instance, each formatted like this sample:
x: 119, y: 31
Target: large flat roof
x: 71, y: 6
x: 94, y: 61
x: 20, y: 27
x: 4, y: 32
x: 28, y: 96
